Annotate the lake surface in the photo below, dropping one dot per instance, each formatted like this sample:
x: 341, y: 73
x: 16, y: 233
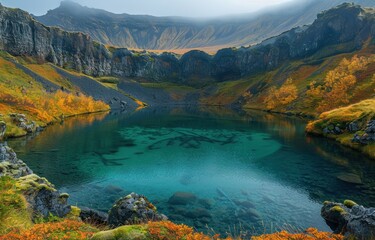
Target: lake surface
x: 250, y: 172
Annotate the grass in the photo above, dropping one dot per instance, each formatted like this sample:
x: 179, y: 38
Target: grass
x: 13, y: 207
x: 360, y: 112
x: 226, y: 93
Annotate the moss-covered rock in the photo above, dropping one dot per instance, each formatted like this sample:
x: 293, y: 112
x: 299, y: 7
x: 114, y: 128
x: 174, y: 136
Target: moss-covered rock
x: 133, y: 209
x: 10, y: 165
x: 136, y: 232
x: 42, y: 197
x: 337, y: 209
x: 349, y: 203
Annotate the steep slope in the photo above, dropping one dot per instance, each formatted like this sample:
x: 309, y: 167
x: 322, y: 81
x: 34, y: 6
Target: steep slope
x: 343, y: 29
x: 147, y: 32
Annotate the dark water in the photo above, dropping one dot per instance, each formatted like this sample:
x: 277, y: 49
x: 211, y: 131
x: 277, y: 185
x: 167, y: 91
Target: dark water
x: 251, y: 172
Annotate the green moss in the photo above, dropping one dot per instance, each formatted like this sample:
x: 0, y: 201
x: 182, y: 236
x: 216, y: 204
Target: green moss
x: 74, y: 213
x: 349, y: 203
x: 64, y: 195
x: 138, y: 232
x: 34, y: 182
x: 337, y: 209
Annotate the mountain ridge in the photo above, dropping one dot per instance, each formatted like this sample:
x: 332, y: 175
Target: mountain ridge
x: 347, y: 25
x: 148, y: 32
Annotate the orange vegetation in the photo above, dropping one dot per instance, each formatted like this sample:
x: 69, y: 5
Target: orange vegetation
x: 67, y: 229
x: 334, y: 91
x: 286, y: 94
x: 310, y: 234
x: 48, y: 106
x: 167, y: 230
x: 21, y: 93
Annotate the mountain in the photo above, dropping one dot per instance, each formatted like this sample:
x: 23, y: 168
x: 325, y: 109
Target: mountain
x: 148, y: 32
x: 342, y: 29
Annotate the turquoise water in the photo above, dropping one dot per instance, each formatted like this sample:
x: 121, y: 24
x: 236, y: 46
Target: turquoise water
x: 252, y: 172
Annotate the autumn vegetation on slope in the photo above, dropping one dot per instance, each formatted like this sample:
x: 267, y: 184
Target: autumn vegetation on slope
x: 309, y: 87
x: 20, y: 93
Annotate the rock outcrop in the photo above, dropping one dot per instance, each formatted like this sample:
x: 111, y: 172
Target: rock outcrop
x: 42, y: 197
x: 368, y: 136
x: 345, y: 28
x: 350, y: 219
x: 93, y: 216
x: 10, y: 165
x: 3, y: 128
x: 22, y: 122
x: 133, y: 209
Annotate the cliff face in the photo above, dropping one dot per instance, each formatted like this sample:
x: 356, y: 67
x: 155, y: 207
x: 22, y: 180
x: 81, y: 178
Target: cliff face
x: 342, y: 29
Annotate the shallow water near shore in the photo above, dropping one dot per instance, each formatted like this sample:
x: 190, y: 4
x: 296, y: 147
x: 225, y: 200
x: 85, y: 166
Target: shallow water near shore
x: 253, y: 172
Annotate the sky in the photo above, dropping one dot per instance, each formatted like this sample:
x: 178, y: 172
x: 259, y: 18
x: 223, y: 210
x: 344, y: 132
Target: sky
x: 186, y: 8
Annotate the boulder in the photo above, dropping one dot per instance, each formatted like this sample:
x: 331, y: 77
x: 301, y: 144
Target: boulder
x: 133, y: 209
x: 3, y: 128
x: 42, y: 197
x: 353, y: 127
x: 21, y: 121
x: 182, y: 198
x: 367, y: 137
x: 370, y: 128
x: 350, y: 219
x: 93, y: 216
x: 336, y: 216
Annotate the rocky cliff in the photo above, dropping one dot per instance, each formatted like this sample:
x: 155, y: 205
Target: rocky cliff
x: 342, y: 29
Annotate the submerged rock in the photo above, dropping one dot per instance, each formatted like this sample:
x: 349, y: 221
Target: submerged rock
x: 350, y: 219
x: 182, y: 198
x: 42, y: 197
x: 350, y: 178
x: 112, y: 189
x: 133, y: 209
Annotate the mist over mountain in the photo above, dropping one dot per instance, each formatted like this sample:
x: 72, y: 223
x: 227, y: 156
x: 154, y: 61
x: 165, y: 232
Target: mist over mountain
x: 148, y: 32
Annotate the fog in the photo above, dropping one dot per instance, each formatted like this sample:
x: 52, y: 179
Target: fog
x: 186, y: 8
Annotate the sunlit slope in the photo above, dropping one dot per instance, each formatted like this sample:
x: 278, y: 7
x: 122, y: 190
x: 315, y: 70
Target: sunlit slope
x: 46, y: 93
x: 290, y: 88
